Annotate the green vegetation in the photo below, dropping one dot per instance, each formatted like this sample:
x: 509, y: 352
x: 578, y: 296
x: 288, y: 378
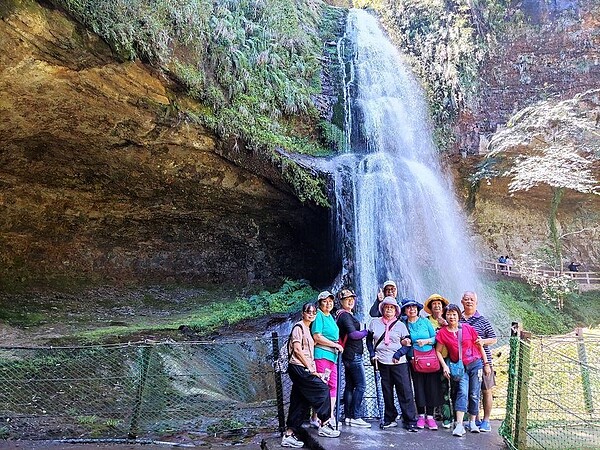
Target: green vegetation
x: 226, y: 424
x: 447, y: 41
x: 87, y: 420
x: 212, y: 316
x: 254, y: 65
x: 20, y: 318
x: 287, y: 299
x: 525, y: 304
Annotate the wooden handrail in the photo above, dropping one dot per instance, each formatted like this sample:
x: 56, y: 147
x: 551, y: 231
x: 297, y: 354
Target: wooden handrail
x: 513, y: 271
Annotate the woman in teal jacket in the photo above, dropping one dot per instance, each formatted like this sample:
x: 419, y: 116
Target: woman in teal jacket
x: 427, y: 386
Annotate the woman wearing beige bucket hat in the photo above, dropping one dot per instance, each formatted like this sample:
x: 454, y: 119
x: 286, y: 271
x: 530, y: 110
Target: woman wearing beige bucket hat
x: 351, y: 337
x: 434, y: 306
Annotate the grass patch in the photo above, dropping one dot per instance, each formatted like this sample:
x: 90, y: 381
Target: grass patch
x: 213, y: 315
x: 523, y: 303
x: 18, y: 318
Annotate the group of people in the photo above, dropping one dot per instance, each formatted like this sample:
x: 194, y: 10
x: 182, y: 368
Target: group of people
x: 505, y: 260
x: 433, y: 357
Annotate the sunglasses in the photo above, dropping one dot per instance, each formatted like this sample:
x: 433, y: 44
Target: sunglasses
x: 310, y: 311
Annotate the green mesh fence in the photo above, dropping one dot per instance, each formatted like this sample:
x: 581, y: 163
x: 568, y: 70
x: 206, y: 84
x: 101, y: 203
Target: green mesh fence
x: 137, y: 391
x: 549, y: 388
x: 553, y: 399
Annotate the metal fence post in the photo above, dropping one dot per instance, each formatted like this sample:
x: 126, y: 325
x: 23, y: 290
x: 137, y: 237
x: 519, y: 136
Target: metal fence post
x: 513, y: 374
x: 278, y: 384
x: 135, y: 416
x: 585, y: 371
x: 522, y: 393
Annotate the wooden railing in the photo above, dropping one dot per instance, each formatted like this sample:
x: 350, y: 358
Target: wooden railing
x: 513, y: 271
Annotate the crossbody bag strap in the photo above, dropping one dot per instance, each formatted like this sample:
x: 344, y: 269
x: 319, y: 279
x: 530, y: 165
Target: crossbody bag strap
x: 290, y: 350
x: 383, y: 335
x: 460, y: 344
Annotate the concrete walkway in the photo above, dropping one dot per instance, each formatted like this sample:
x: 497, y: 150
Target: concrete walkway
x: 352, y: 438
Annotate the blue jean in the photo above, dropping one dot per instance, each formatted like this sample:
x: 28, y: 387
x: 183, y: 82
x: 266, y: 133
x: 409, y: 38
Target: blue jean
x: 469, y: 387
x: 355, y: 386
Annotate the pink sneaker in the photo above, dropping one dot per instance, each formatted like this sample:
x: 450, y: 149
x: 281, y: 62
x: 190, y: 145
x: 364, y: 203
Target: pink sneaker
x: 431, y: 424
x: 421, y: 422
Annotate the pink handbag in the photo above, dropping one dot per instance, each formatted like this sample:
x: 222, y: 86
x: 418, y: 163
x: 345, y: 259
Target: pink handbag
x: 425, y: 362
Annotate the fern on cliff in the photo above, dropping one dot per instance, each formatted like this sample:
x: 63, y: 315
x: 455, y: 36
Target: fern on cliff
x: 253, y: 64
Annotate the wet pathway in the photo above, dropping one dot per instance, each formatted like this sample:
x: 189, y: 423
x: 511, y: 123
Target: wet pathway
x: 351, y: 439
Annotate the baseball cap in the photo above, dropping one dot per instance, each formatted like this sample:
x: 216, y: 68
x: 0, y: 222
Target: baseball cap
x: 325, y: 294
x: 346, y: 293
x: 389, y: 283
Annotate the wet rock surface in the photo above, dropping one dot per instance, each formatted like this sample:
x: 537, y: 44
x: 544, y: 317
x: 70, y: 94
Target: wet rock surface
x: 102, y: 176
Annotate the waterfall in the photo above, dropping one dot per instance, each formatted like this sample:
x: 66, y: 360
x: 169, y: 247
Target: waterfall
x: 397, y: 215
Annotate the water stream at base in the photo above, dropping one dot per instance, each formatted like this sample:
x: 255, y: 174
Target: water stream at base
x: 397, y: 217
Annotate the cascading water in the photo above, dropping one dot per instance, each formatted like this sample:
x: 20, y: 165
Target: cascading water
x: 402, y: 221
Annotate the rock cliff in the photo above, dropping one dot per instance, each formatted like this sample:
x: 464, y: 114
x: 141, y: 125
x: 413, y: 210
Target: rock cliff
x: 483, y: 62
x: 539, y: 104
x: 102, y: 177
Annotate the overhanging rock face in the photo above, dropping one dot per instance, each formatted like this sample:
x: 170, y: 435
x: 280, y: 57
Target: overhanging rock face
x: 101, y: 175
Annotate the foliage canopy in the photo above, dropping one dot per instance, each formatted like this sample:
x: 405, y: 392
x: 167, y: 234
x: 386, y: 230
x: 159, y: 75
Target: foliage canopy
x: 252, y: 64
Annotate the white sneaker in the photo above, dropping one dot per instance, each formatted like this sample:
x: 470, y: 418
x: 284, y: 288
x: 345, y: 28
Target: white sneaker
x: 459, y: 430
x: 347, y: 421
x: 291, y: 441
x: 474, y: 428
x: 328, y: 431
x: 315, y: 423
x: 391, y: 424
x: 359, y: 423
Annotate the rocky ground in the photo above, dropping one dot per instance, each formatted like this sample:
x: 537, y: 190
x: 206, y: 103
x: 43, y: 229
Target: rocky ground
x: 53, y: 318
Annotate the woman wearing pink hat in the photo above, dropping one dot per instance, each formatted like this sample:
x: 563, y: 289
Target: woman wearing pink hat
x: 388, y: 343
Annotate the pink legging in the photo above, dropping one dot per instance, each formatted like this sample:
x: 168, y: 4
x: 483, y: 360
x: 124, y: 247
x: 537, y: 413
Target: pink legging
x: 321, y: 365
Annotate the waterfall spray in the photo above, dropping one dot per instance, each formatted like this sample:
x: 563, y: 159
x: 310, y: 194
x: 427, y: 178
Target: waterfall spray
x: 396, y: 211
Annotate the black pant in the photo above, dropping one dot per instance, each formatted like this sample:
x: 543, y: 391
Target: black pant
x: 397, y: 376
x: 307, y: 391
x: 428, y: 391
